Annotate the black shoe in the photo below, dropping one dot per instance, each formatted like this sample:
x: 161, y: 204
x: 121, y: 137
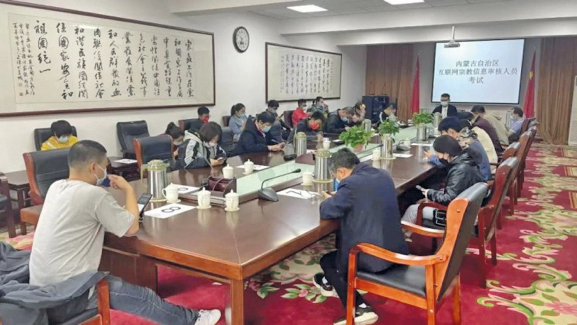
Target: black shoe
x: 326, y: 289
x: 363, y: 316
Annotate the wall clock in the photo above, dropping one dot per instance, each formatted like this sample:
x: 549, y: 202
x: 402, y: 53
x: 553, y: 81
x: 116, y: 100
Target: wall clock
x: 241, y: 39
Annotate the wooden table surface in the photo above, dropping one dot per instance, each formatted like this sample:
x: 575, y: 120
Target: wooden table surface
x: 232, y: 246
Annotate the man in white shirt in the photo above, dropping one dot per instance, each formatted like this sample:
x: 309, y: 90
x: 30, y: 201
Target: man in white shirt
x: 70, y: 234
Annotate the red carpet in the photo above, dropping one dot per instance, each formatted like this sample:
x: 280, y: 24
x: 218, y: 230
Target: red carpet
x: 531, y: 284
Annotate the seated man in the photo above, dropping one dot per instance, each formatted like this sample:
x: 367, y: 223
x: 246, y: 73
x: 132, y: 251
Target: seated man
x: 366, y: 204
x: 462, y: 173
x: 320, y: 106
x: 203, y: 118
x: 480, y: 122
x: 499, y: 126
x: 70, y: 234
x: 515, y: 129
x: 360, y: 110
x: 256, y: 136
x: 300, y: 112
x: 387, y: 112
x: 61, y: 136
x: 311, y: 126
x: 282, y: 128
x: 459, y: 130
x: 338, y: 121
x: 446, y: 109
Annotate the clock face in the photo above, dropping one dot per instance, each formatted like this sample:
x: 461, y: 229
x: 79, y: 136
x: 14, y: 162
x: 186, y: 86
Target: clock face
x: 241, y: 39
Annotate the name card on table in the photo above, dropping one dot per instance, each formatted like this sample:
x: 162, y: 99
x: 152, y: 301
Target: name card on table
x: 168, y: 211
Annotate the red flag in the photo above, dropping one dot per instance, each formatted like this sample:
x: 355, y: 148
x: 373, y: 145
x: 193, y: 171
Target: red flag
x: 529, y: 105
x: 415, y: 102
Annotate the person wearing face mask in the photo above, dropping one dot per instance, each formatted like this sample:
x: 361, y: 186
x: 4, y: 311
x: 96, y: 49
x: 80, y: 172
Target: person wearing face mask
x: 320, y: 106
x: 237, y: 120
x: 200, y: 149
x: 462, y: 173
x: 360, y: 110
x: 256, y: 136
x: 388, y: 112
x: 69, y: 237
x: 366, y: 205
x: 338, y: 122
x: 61, y: 136
x: 300, y: 113
x: 279, y: 130
x: 446, y: 109
x: 311, y: 126
x: 517, y: 120
x: 177, y: 136
x: 203, y: 118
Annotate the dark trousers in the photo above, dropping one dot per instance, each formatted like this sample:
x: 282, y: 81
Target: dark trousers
x: 337, y: 277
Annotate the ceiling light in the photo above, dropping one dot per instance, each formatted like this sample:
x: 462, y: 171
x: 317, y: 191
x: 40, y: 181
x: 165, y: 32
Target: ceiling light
x: 403, y: 2
x: 308, y: 8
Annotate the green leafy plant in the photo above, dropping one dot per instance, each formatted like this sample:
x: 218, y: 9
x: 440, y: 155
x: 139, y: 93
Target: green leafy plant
x: 356, y: 136
x: 389, y: 127
x: 422, y: 118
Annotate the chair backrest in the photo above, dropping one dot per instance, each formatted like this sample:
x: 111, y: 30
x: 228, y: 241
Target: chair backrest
x: 525, y: 144
x: 43, y: 134
x: 127, y: 132
x: 504, y: 175
x: 227, y: 139
x: 527, y: 123
x: 185, y: 124
x: 461, y: 215
x: 511, y: 150
x: 5, y: 190
x: 44, y: 168
x: 150, y: 148
x: 288, y: 118
x: 225, y: 120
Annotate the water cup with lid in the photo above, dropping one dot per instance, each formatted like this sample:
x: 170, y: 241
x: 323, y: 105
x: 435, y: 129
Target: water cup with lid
x: 228, y: 172
x: 248, y: 167
x: 203, y: 199
x: 171, y: 193
x: 231, y: 201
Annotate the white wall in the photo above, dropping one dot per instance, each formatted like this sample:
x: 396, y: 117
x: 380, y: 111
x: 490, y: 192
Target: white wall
x: 239, y: 77
x: 426, y: 53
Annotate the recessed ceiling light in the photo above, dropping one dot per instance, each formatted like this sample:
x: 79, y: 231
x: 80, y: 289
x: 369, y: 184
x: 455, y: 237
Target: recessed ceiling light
x: 307, y: 8
x: 403, y: 2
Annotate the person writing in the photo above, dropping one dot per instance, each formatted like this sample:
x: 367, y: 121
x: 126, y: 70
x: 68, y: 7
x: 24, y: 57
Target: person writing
x: 300, y: 113
x: 69, y: 237
x: 462, y: 173
x: 311, y: 126
x: 446, y: 109
x: 338, y: 122
x: 61, y: 136
x: 177, y: 136
x: 200, y: 149
x: 256, y: 136
x: 366, y: 205
x: 237, y: 120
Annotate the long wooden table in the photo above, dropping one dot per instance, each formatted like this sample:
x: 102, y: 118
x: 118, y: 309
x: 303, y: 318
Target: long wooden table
x: 230, y: 246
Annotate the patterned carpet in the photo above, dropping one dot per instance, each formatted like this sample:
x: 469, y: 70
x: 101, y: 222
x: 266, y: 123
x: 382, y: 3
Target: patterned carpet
x: 531, y: 284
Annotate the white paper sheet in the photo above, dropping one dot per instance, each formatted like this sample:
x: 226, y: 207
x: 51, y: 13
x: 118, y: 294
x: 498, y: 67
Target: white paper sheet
x: 183, y: 189
x: 419, y: 144
x: 299, y: 194
x: 126, y: 161
x: 255, y: 167
x: 168, y: 211
x: 402, y: 155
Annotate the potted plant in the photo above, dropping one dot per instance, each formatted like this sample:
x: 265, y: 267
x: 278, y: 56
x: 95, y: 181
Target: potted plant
x: 388, y: 129
x: 421, y: 120
x: 356, y: 137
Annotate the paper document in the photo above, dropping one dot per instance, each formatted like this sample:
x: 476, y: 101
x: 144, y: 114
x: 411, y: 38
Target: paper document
x: 419, y: 144
x: 255, y: 167
x: 183, y: 189
x: 126, y: 161
x: 168, y: 211
x: 402, y: 155
x: 299, y: 194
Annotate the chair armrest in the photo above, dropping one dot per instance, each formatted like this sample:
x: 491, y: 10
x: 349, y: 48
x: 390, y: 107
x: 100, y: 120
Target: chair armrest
x: 103, y: 301
x: 387, y: 255
x: 423, y: 230
x: 428, y: 204
x: 4, y: 187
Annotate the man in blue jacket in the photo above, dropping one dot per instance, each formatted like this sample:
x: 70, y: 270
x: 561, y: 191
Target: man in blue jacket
x: 366, y: 204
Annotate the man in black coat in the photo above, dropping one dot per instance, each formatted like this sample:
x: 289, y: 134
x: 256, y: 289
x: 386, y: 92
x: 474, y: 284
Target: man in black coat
x: 446, y: 109
x: 338, y: 122
x: 366, y: 204
x: 462, y: 173
x: 256, y: 136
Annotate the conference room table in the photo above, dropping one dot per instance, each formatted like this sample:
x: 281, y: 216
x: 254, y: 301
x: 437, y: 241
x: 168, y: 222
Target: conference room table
x: 230, y: 247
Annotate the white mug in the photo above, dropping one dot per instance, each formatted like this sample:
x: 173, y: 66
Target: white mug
x: 231, y: 201
x: 307, y: 178
x: 228, y: 172
x: 170, y: 193
x: 248, y: 167
x: 326, y: 144
x: 203, y: 199
x: 377, y: 154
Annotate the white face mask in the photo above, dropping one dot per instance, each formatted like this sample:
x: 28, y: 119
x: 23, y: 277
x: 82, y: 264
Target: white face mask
x: 99, y: 181
x: 63, y: 139
x: 177, y: 143
x: 445, y: 103
x: 211, y: 144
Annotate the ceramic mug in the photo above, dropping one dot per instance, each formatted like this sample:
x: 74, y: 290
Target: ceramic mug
x: 377, y: 154
x: 326, y: 144
x: 170, y: 193
x: 248, y: 167
x: 307, y: 178
x: 228, y: 172
x: 203, y: 199
x: 231, y: 201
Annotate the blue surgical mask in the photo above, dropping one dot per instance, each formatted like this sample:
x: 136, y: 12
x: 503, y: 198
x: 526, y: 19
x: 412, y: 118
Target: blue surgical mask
x: 243, y: 116
x: 444, y: 103
x: 63, y: 139
x: 266, y: 128
x: 344, y: 119
x: 336, y: 184
x: 99, y: 181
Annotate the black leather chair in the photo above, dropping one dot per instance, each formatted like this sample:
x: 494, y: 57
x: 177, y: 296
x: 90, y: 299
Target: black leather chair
x: 225, y: 120
x: 150, y: 148
x: 6, y: 206
x: 288, y: 118
x: 43, y: 134
x: 193, y: 124
x: 44, y: 168
x: 127, y: 132
x: 227, y: 139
